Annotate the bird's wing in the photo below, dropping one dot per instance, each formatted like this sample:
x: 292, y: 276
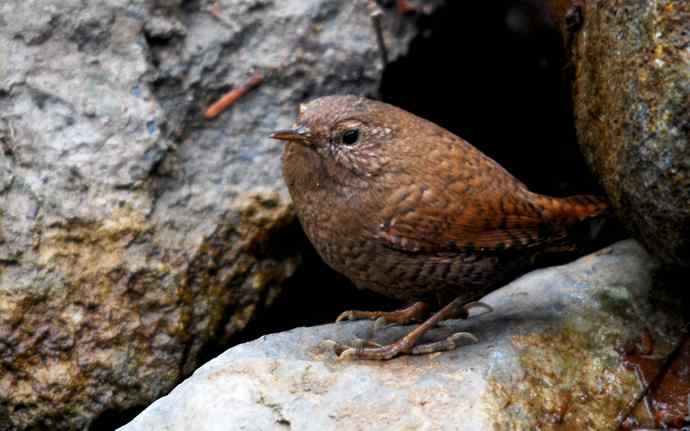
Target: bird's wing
x: 438, y: 220
x: 467, y: 202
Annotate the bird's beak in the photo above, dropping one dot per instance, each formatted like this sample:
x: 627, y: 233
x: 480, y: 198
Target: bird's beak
x: 300, y: 135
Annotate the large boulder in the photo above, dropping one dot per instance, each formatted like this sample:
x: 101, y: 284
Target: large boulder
x: 133, y: 232
x: 552, y: 355
x: 631, y: 91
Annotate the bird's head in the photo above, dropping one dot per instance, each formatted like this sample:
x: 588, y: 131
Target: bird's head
x: 349, y: 134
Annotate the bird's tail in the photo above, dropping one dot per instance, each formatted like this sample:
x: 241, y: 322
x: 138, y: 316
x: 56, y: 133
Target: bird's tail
x: 575, y: 219
x: 573, y: 209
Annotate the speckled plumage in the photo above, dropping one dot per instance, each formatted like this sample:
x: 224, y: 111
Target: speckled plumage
x: 412, y: 211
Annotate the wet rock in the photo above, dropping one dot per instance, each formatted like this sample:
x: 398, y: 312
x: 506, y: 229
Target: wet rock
x: 551, y: 353
x: 631, y: 90
x: 133, y: 233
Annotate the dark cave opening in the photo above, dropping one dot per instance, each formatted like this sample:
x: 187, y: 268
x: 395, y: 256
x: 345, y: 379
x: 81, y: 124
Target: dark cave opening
x: 315, y: 294
x: 493, y: 73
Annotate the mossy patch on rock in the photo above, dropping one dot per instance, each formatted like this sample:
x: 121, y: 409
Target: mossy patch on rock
x: 572, y: 380
x: 125, y: 322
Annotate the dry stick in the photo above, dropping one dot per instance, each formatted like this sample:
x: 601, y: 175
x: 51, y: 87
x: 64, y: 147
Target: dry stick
x: 215, y: 9
x: 375, y: 15
x: 660, y: 374
x: 404, y: 7
x: 231, y: 96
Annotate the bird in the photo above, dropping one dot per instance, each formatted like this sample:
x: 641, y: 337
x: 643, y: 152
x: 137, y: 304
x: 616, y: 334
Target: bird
x: 407, y: 209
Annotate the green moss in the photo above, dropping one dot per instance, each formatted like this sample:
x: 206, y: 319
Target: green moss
x: 614, y: 303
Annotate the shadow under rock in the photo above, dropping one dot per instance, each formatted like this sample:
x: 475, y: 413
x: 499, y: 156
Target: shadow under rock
x: 314, y: 295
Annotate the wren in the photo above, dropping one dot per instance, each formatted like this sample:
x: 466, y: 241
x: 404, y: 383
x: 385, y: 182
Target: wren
x: 407, y: 209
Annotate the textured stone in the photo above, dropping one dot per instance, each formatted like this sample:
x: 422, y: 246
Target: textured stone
x: 550, y: 357
x: 132, y: 232
x: 631, y: 90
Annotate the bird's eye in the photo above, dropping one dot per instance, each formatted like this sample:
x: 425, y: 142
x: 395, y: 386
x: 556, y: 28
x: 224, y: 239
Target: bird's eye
x: 350, y: 136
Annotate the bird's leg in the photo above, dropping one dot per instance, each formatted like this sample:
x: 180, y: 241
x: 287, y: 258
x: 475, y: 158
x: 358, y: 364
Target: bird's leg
x: 407, y: 344
x: 414, y: 313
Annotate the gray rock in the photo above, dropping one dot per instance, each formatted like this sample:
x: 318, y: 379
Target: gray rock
x: 132, y: 232
x: 550, y: 353
x: 631, y: 91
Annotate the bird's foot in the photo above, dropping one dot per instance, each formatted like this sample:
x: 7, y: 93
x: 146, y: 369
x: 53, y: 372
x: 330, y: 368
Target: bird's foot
x: 364, y: 349
x: 416, y: 312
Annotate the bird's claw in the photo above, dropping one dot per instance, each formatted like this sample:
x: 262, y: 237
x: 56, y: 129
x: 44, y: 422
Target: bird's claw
x: 412, y: 313
x: 345, y: 351
x: 345, y: 315
x: 360, y: 343
x: 380, y: 323
x: 449, y: 343
x: 478, y: 304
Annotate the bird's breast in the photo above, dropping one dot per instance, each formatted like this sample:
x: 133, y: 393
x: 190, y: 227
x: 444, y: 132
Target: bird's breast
x: 331, y: 212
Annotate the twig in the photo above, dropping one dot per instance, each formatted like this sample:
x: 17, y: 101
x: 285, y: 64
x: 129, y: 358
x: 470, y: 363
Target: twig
x: 215, y: 9
x: 404, y: 7
x: 661, y: 372
x: 231, y: 96
x: 375, y: 15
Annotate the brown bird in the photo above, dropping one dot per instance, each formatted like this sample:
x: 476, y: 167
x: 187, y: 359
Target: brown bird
x: 407, y: 209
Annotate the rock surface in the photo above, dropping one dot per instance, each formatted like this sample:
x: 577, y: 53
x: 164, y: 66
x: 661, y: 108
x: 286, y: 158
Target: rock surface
x: 133, y: 232
x: 631, y: 91
x: 551, y: 355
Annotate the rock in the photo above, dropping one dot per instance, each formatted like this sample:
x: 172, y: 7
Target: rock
x: 133, y: 233
x: 631, y: 90
x: 551, y: 353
